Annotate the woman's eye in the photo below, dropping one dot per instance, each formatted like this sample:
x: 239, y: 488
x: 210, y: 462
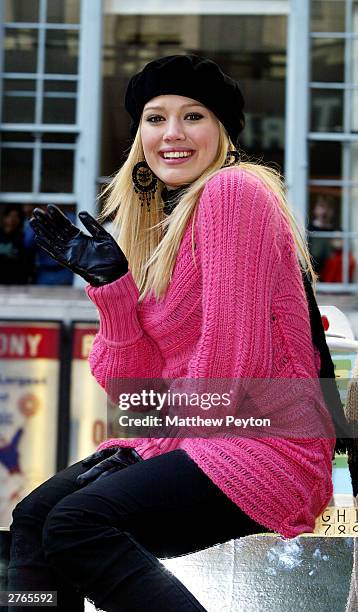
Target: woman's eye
x: 157, y: 118
x: 154, y: 117
x: 195, y: 115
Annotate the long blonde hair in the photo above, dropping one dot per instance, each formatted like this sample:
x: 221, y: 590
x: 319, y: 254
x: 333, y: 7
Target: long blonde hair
x: 150, y: 240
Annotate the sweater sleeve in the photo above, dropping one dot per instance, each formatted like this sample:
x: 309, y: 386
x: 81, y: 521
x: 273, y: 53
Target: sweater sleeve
x: 121, y: 349
x: 238, y: 232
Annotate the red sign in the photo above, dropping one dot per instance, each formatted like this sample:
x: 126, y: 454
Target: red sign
x: 83, y: 337
x: 26, y: 341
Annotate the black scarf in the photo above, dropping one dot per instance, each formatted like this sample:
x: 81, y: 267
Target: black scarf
x: 327, y: 376
x: 170, y: 198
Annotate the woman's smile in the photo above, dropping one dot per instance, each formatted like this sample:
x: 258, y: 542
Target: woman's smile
x: 173, y: 157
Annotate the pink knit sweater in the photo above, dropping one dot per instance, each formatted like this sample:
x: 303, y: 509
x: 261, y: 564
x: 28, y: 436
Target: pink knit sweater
x: 240, y: 312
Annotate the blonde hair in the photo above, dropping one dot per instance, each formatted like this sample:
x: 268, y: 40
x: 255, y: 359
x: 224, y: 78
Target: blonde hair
x: 150, y: 240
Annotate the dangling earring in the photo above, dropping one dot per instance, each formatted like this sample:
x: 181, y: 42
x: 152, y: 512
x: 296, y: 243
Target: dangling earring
x: 233, y: 158
x: 145, y: 183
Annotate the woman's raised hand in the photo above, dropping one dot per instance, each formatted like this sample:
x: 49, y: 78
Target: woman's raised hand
x: 97, y: 258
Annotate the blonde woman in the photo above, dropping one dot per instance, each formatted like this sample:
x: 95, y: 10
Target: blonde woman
x: 204, y: 283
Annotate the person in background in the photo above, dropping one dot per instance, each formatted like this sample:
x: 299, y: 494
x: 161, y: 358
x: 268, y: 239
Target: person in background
x: 327, y: 253
x: 14, y: 268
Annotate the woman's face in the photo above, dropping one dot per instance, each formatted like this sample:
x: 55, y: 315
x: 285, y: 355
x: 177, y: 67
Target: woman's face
x: 180, y: 138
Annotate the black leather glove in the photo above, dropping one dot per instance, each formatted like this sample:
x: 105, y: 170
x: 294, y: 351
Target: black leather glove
x: 97, y: 258
x: 105, y: 462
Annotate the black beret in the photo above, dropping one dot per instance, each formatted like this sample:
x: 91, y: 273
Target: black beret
x: 193, y: 77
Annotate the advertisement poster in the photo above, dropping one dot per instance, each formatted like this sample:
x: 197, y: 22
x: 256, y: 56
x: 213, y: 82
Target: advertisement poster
x: 88, y: 403
x: 29, y: 390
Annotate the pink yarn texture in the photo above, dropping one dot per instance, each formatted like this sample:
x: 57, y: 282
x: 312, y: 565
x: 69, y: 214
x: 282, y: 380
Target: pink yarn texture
x: 240, y: 312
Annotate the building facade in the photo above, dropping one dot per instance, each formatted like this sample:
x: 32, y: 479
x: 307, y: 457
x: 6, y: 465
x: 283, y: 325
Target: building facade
x: 64, y: 131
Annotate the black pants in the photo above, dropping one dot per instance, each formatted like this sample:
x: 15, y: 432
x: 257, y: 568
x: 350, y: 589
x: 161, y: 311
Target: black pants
x: 103, y: 540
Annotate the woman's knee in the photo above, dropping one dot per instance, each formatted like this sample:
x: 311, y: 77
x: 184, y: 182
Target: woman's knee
x: 70, y: 524
x: 31, y: 511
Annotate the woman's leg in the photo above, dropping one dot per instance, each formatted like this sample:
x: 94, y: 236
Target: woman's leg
x: 106, y: 537
x: 28, y: 569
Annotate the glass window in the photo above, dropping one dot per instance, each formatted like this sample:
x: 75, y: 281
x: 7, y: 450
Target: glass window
x: 353, y: 260
x: 16, y: 169
x: 59, y: 104
x: 17, y: 137
x: 325, y: 208
x: 18, y: 103
x: 20, y: 50
x: 340, y: 253
x: 57, y: 171
x: 21, y: 11
x: 63, y: 11
x: 328, y: 15
x: 325, y: 160
x: 326, y: 110
x: 61, y: 52
x: 327, y: 57
x: 252, y: 49
x: 354, y: 24
x: 353, y: 156
x: 60, y: 138
x: 353, y: 208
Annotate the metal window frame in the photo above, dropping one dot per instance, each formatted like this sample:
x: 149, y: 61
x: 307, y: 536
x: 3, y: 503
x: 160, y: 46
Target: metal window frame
x: 197, y: 7
x: 298, y: 134
x: 86, y: 126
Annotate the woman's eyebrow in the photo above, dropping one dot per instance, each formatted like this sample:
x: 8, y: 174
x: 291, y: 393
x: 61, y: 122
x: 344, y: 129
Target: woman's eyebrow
x: 183, y: 106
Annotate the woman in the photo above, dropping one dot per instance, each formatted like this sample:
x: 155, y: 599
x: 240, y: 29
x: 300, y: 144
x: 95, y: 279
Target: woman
x: 209, y: 287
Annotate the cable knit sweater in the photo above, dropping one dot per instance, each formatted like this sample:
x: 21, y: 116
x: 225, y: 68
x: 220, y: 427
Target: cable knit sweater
x: 240, y: 312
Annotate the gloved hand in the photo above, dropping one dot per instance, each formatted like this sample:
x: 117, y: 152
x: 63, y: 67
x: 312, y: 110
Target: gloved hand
x: 97, y: 258
x: 105, y: 462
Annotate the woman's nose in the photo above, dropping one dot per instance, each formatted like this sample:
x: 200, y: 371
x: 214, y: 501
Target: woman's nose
x: 174, y: 130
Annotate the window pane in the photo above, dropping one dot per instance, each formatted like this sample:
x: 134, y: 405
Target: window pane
x: 353, y: 260
x: 324, y: 261
x: 327, y: 57
x: 22, y: 10
x: 18, y: 101
x: 16, y: 169
x: 57, y: 171
x: 324, y: 216
x: 17, y: 137
x: 354, y: 111
x: 62, y: 138
x: 63, y: 11
x: 353, y: 209
x: 325, y: 160
x: 353, y: 150
x: 354, y: 58
x: 328, y: 16
x: 20, y: 50
x: 326, y: 110
x: 251, y: 49
x: 59, y: 105
x: 61, y: 52
x: 325, y: 209
x: 332, y: 270
x: 355, y: 16
x: 59, y: 110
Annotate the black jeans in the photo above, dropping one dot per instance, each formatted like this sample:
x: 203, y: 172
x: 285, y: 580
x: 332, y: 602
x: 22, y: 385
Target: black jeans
x: 103, y: 540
